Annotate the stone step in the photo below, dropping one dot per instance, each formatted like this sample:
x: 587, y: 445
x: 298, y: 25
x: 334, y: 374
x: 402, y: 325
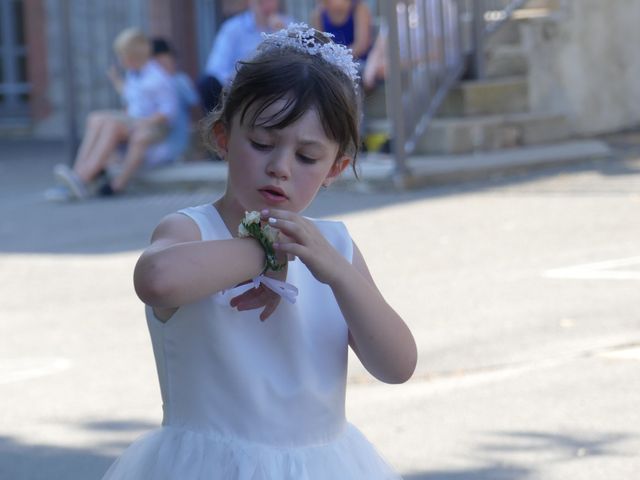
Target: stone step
x: 487, y: 97
x: 377, y: 170
x: 492, y: 132
x: 541, y: 4
x: 507, y: 34
x: 506, y: 61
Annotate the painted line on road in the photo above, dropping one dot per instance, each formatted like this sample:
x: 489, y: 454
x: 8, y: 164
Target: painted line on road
x: 20, y: 369
x: 623, y: 354
x: 606, y: 270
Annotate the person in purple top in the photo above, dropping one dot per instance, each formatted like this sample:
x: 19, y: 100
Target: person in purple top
x: 348, y: 20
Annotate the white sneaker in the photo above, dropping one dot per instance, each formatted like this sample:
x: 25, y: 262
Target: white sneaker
x: 70, y: 179
x: 58, y: 194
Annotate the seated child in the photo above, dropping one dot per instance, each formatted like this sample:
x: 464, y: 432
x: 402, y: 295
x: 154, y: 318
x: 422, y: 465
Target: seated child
x: 152, y: 107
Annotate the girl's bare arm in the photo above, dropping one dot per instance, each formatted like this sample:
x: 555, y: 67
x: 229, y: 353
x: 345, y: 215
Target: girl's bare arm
x: 179, y: 268
x: 379, y: 337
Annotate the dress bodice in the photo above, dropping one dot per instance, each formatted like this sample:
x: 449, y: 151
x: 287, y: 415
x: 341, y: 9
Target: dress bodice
x: 279, y: 382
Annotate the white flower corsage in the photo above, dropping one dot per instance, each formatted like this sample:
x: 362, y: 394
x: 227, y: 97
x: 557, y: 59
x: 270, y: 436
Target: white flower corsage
x: 266, y: 235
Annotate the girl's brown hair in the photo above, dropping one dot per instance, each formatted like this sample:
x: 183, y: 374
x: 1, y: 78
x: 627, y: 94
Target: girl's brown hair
x: 304, y: 81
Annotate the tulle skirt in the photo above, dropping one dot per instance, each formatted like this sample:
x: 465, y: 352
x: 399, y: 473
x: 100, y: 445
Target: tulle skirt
x: 171, y: 453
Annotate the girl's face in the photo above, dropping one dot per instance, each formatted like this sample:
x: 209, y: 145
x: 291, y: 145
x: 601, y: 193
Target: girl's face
x: 271, y: 168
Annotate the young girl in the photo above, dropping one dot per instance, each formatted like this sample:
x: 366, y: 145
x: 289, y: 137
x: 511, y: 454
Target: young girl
x: 252, y: 369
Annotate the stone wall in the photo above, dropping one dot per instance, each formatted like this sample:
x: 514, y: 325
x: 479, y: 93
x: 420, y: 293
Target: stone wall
x: 584, y: 61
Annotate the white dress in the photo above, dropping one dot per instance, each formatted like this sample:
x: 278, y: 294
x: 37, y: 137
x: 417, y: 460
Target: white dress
x: 251, y: 400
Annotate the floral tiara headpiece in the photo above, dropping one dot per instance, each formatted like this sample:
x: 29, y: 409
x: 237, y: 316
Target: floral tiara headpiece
x: 301, y: 37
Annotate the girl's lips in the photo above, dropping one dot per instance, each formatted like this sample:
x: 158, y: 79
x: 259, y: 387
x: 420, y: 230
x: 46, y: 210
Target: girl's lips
x: 273, y: 194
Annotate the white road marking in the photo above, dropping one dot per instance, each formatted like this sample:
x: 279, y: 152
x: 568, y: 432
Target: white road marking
x: 607, y: 270
x: 625, y: 354
x: 20, y: 369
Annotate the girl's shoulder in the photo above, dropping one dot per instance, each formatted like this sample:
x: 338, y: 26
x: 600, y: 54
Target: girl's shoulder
x: 208, y: 221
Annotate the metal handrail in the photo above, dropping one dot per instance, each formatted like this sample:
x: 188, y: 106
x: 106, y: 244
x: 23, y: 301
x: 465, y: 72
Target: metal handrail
x: 431, y: 45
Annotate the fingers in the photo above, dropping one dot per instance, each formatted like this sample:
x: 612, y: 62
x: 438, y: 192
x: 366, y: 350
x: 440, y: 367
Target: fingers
x: 289, y: 223
x: 288, y: 227
x: 291, y: 249
x: 254, y: 298
x: 269, y: 308
x: 257, y: 298
x: 276, y: 213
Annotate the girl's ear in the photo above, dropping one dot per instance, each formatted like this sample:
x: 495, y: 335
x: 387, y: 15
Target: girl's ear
x: 336, y: 169
x: 222, y: 138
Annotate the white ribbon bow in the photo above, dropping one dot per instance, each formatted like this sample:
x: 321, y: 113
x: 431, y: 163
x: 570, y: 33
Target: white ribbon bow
x: 285, y: 290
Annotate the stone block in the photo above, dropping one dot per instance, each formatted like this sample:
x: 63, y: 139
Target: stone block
x: 487, y: 97
x: 506, y: 61
x: 487, y: 133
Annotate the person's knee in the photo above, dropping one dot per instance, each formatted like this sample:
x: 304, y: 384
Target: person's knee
x: 141, y: 138
x: 95, y: 119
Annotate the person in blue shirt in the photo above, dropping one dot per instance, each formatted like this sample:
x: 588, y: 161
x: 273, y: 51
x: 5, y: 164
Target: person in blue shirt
x: 237, y: 40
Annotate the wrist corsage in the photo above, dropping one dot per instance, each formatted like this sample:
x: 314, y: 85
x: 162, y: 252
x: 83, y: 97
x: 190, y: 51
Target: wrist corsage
x: 265, y: 234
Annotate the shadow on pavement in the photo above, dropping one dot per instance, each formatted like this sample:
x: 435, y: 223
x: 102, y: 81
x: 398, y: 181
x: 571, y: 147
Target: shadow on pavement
x: 541, y: 448
x: 496, y: 472
x: 45, y: 462
x: 555, y: 446
x: 25, y: 461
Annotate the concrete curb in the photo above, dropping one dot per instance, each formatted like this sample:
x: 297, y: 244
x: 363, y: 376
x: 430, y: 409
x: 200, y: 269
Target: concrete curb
x: 378, y: 170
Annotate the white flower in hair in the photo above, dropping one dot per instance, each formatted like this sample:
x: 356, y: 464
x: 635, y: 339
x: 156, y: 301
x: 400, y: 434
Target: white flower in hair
x: 302, y: 37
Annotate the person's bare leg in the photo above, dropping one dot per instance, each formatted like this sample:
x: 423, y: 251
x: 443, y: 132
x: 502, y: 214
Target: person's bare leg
x: 112, y: 133
x: 133, y: 160
x: 95, y: 122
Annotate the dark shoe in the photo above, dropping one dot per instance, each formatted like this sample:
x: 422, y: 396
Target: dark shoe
x: 106, y: 191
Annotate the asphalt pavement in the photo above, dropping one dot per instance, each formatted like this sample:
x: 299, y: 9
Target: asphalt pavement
x: 521, y: 291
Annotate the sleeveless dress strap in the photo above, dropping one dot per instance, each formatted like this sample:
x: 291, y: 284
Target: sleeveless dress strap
x: 211, y: 225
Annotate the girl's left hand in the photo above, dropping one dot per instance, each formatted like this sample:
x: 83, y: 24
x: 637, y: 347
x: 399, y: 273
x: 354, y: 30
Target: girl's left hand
x: 261, y: 297
x: 299, y: 237
x: 307, y: 243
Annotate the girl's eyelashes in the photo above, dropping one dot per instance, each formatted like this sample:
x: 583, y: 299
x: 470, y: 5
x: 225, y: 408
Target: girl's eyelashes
x: 263, y: 147
x: 305, y: 159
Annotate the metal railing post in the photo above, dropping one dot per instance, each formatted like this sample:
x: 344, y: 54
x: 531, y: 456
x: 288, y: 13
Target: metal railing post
x: 478, y: 66
x: 69, y: 84
x: 394, y: 95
